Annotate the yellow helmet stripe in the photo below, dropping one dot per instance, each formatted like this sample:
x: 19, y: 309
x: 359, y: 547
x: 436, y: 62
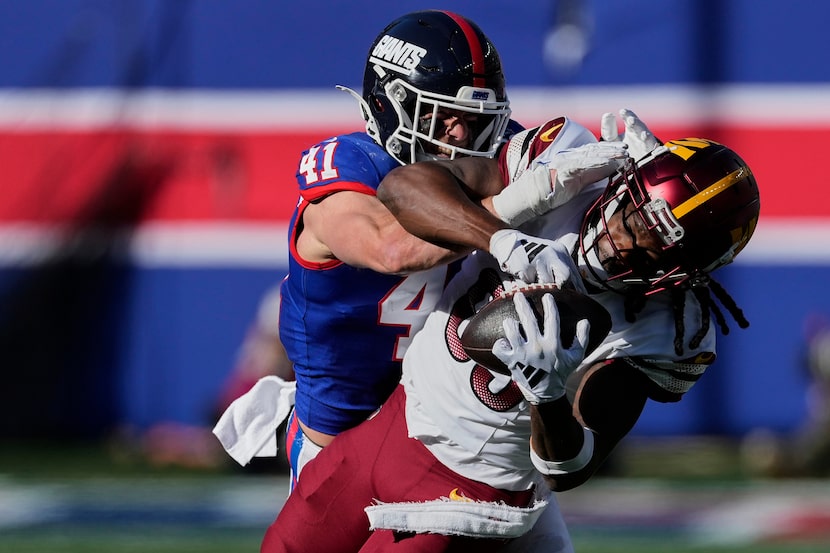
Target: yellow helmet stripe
x: 688, y: 147
x: 705, y: 195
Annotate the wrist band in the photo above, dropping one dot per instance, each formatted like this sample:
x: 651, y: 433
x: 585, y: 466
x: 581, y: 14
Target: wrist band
x: 559, y: 468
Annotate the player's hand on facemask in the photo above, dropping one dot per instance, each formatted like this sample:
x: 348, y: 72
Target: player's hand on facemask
x: 550, y: 184
x: 640, y: 140
x: 532, y: 259
x: 578, y: 167
x: 536, y: 358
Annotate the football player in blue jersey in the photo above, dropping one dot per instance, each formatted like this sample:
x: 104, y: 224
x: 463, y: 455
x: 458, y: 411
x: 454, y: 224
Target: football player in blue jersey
x: 359, y: 286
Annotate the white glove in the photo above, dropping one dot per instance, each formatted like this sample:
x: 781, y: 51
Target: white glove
x: 532, y: 259
x: 552, y: 183
x: 640, y: 140
x: 538, y: 363
x: 578, y: 167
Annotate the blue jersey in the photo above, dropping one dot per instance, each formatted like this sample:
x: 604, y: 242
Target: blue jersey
x: 346, y: 329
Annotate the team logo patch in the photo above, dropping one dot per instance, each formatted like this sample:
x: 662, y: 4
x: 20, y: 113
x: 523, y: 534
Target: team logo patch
x: 397, y: 55
x: 550, y: 134
x: 686, y: 148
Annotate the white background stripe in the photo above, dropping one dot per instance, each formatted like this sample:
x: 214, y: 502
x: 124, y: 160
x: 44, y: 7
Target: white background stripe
x: 767, y: 105
x: 777, y: 241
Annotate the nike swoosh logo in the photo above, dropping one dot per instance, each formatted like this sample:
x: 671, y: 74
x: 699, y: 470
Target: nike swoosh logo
x: 455, y: 496
x: 546, y: 136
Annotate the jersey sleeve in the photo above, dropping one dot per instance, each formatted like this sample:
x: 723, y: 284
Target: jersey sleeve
x: 649, y: 344
x: 341, y: 163
x: 530, y: 147
x: 671, y: 379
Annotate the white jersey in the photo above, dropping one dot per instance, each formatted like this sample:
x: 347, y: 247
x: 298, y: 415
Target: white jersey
x: 475, y: 421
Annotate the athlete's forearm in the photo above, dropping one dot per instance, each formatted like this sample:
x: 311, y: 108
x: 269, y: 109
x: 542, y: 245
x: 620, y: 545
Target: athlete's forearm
x: 561, y: 449
x: 441, y: 203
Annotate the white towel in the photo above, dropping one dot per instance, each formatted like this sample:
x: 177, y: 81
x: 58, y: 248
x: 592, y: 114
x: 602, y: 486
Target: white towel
x: 476, y: 519
x: 248, y: 427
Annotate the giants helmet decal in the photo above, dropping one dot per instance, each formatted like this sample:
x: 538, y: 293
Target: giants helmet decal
x: 397, y: 55
x: 697, y: 196
x: 425, y: 62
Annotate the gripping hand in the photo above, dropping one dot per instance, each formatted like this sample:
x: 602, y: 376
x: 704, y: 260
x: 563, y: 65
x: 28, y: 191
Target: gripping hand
x: 578, y: 167
x: 640, y: 140
x: 553, y: 182
x: 531, y: 259
x: 537, y: 361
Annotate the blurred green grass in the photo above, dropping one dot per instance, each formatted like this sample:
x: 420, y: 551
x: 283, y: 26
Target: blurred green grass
x: 656, y: 545
x: 677, y: 458
x: 212, y: 542
x: 96, y: 477
x: 108, y: 541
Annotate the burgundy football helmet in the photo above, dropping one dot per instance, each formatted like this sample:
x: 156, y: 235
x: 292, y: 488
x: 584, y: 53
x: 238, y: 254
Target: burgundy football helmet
x: 698, y: 197
x: 426, y: 62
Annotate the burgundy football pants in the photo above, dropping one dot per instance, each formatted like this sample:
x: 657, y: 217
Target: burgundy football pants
x: 374, y: 461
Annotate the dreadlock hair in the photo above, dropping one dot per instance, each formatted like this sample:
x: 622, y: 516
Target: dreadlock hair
x: 703, y: 287
x: 634, y: 302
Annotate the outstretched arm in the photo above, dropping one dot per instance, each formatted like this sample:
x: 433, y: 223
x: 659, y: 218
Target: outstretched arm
x: 357, y: 229
x: 445, y: 202
x: 465, y: 201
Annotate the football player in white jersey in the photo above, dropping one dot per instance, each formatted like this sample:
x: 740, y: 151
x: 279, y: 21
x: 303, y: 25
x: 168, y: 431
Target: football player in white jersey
x: 460, y: 453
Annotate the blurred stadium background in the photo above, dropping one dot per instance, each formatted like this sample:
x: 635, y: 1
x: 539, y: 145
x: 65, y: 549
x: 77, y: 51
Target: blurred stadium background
x: 148, y: 150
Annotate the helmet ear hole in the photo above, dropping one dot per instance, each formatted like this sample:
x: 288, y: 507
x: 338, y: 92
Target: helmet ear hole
x: 376, y: 103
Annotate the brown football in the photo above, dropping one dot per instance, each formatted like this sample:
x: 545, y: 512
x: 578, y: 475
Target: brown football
x: 485, y: 327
